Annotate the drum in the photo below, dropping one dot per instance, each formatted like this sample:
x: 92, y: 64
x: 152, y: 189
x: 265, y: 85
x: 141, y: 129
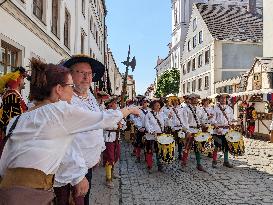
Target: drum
x: 181, y: 135
x: 166, y: 148
x: 235, y: 142
x: 203, y: 142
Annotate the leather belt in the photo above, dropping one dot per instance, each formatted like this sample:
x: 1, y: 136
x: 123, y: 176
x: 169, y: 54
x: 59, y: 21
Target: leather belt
x: 225, y: 127
x: 27, y: 177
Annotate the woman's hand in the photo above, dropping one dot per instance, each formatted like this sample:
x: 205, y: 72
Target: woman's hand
x: 133, y: 111
x: 81, y: 188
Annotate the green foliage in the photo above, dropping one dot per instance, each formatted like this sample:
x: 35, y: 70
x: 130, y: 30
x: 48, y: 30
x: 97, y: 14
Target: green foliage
x: 168, y: 83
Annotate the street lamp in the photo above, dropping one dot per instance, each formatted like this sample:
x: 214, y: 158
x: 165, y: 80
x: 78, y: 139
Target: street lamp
x: 128, y: 64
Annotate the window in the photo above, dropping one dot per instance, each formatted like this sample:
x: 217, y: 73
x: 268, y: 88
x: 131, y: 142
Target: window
x: 38, y: 9
x: 67, y: 29
x: 83, y: 8
x: 194, y: 24
x: 188, y: 66
x: 189, y: 45
x: 193, y: 64
x: 200, y: 84
x: 184, y: 69
x: 207, y: 57
x: 193, y: 87
x: 200, y: 37
x: 206, y: 82
x: 194, y: 41
x: 184, y: 88
x: 82, y: 42
x: 188, y: 87
x: 9, y: 57
x: 200, y: 60
x: 55, y: 17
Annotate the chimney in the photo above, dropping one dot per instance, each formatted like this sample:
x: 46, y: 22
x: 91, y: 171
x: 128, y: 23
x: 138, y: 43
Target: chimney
x: 251, y: 6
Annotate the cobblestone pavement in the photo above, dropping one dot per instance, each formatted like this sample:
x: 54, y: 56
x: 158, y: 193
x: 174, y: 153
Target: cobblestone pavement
x: 250, y: 182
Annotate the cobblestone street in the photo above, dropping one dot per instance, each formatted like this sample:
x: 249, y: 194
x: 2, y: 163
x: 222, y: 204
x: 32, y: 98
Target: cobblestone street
x: 250, y: 182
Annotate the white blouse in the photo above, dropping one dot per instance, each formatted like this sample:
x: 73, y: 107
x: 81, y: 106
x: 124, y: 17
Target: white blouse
x: 221, y: 120
x: 176, y: 120
x: 112, y: 136
x: 189, y: 121
x: 43, y: 135
x: 84, y: 152
x: 152, y: 126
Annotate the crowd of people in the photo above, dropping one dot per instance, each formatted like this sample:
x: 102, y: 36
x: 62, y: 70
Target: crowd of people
x: 50, y: 144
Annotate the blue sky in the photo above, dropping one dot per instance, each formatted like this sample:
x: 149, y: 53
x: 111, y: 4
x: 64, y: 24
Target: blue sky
x: 146, y: 26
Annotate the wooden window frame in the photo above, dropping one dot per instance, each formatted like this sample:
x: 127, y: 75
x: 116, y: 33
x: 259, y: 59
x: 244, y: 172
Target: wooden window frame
x: 38, y: 10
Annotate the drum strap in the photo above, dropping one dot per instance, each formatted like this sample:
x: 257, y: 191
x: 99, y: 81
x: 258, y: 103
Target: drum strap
x: 144, y: 112
x: 206, y: 112
x: 223, y: 111
x: 195, y: 117
x: 176, y: 114
x: 158, y: 122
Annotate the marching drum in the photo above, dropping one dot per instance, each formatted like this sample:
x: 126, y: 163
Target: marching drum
x: 203, y: 142
x: 235, y: 143
x: 181, y: 135
x: 166, y: 148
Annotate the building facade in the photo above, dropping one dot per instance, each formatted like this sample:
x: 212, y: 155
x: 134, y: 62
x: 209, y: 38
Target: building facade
x: 131, y: 87
x: 181, y: 15
x: 115, y: 77
x: 268, y: 28
x: 221, y: 43
x: 50, y: 30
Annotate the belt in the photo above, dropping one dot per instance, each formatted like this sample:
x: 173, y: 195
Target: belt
x: 225, y: 127
x: 27, y: 177
x: 112, y: 130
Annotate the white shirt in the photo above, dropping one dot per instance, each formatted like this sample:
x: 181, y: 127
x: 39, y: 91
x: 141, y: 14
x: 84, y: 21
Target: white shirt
x: 210, y: 112
x: 43, y: 135
x: 176, y: 120
x: 139, y: 121
x: 189, y: 121
x: 152, y: 126
x: 221, y: 120
x: 86, y: 147
x: 112, y: 136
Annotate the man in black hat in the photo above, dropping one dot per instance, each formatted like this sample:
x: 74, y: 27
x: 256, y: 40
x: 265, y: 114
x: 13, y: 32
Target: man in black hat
x: 84, y: 71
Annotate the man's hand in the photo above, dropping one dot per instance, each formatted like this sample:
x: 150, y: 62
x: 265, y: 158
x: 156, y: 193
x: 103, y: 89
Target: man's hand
x: 81, y: 188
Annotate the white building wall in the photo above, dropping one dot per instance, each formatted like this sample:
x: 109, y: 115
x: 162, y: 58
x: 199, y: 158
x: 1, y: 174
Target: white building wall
x: 205, y: 69
x: 33, y: 37
x: 223, y: 61
x: 268, y: 28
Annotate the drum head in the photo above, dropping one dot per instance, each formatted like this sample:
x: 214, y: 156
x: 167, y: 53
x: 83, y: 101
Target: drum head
x: 202, y: 136
x: 164, y: 139
x: 181, y: 134
x: 233, y: 136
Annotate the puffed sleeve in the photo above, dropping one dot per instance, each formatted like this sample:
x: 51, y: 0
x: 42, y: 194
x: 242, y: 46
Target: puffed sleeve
x: 76, y: 119
x: 73, y: 170
x: 148, y: 125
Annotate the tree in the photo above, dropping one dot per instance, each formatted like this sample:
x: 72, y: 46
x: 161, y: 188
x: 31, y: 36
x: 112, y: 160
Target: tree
x: 168, y: 83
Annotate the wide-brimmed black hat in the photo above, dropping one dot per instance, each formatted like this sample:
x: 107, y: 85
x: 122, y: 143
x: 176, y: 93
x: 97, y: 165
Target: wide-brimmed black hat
x: 156, y: 101
x: 97, y: 67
